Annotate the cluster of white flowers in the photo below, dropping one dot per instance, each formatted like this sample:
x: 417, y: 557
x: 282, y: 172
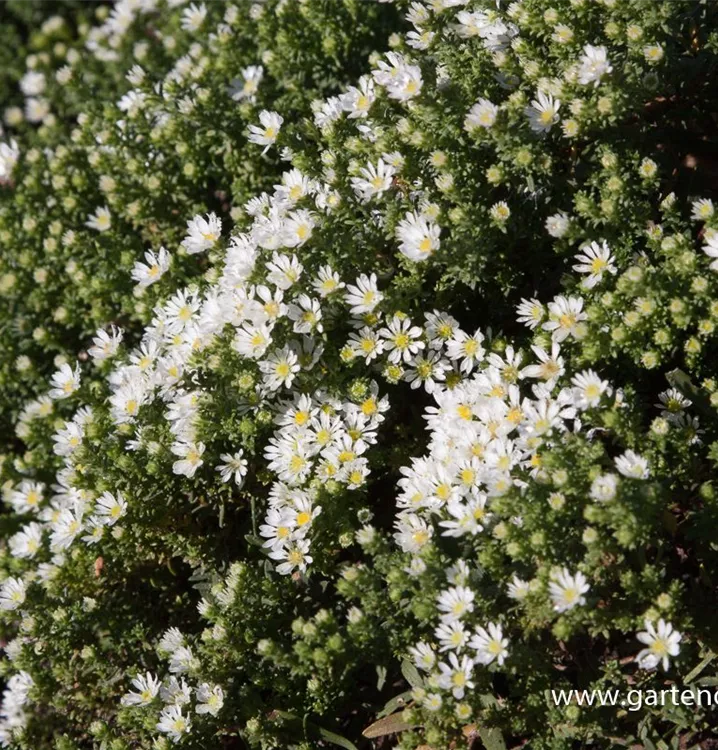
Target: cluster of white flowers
x: 487, y: 645
x: 493, y: 417
x: 319, y: 438
x: 174, y: 694
x: 12, y: 712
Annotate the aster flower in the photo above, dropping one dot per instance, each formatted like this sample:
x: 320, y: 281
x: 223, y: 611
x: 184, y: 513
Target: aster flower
x: 489, y: 644
x: 593, y: 65
x: 266, y: 133
x: 567, y: 591
x: 543, y: 112
x: 594, y: 260
x: 662, y: 642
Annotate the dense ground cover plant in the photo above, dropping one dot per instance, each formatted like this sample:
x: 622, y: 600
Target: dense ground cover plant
x: 144, y: 120
x: 429, y: 423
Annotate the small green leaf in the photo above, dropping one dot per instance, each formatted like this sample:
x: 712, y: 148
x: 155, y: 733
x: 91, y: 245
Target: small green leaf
x: 381, y: 677
x: 388, y: 725
x: 698, y: 669
x: 411, y: 674
x: 336, y: 739
x: 398, y: 701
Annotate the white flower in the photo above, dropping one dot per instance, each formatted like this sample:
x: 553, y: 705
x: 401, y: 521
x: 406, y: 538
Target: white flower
x: 653, y: 53
x: 661, y: 644
x: 153, y: 269
x: 543, y: 112
x: 432, y: 702
x: 27, y: 497
x: 280, y: 368
x: 631, y: 465
x: 364, y: 296
x: 175, y: 692
x: 401, y: 339
x: 12, y: 593
x: 252, y: 77
x: 567, y: 591
x: 234, y: 466
x: 209, y: 699
x: 298, y: 227
x: 293, y: 557
x: 366, y: 343
x: 173, y: 723
x: 202, y: 233
x: 427, y: 370
x: 65, y: 382
x: 603, y: 488
x: 193, y: 17
x: 452, y: 636
x: 9, y: 154
x: 132, y: 102
x: 182, y: 660
x: 65, y: 528
x: 711, y: 249
x: 266, y: 134
x: 588, y: 389
x: 423, y: 655
x: 283, y: 270
x: 500, y: 212
x: 489, y: 644
x: 105, y: 345
x: 190, y: 458
x: 413, y: 533
x: 595, y: 260
x: 357, y: 101
x: 147, y: 687
x: 466, y: 348
x: 101, y: 220
x: 252, y: 341
x: 593, y: 65
x: 565, y: 315
x: 456, y: 675
x: 518, y: 589
x: 672, y: 401
x: 306, y: 314
x: 481, y: 115
x: 401, y: 80
x: 702, y: 209
x: 171, y: 640
x: 327, y: 282
x: 373, y: 180
x: 26, y: 542
x: 419, y: 238
x: 557, y: 225
x: 455, y: 602
x: 110, y: 508
x: 530, y: 312
x: 32, y: 83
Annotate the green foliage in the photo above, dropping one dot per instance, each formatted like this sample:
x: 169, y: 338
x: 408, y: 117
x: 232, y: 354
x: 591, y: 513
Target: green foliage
x: 413, y: 426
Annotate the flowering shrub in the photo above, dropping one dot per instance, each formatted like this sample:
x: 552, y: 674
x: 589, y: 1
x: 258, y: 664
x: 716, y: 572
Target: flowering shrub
x: 385, y: 442
x: 129, y: 121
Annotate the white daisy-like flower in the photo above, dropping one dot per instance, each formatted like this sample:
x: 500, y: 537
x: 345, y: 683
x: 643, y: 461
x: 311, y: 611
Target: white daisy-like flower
x: 661, y: 642
x: 101, y: 220
x: 147, y: 688
x: 266, y: 133
x: 632, y: 465
x: 234, y: 467
x: 489, y: 644
x: 543, y: 112
x: 594, y: 260
x: 593, y: 65
x: 566, y: 590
